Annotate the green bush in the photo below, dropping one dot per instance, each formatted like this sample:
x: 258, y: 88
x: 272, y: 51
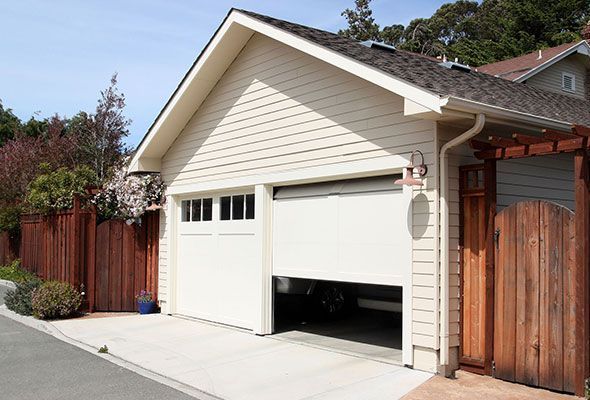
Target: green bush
x: 10, y: 218
x: 14, y: 272
x: 55, y: 190
x: 20, y: 299
x: 55, y: 299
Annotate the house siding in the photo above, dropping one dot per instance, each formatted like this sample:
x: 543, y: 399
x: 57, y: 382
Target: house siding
x: 550, y: 78
x: 277, y: 109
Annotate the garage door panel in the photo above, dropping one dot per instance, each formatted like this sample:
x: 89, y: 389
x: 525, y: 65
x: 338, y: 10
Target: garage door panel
x: 197, y: 253
x: 354, y: 234
x: 218, y: 268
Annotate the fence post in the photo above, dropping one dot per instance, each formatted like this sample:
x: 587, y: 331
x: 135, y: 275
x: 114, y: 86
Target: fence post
x: 91, y: 259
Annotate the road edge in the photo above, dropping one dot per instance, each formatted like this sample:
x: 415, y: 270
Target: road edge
x: 50, y: 329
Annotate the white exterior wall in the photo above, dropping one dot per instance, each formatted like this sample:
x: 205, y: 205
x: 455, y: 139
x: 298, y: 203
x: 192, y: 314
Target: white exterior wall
x: 550, y: 78
x: 277, y: 115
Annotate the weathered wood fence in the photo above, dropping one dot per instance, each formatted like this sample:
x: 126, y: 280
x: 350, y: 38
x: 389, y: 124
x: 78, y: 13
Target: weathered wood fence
x: 111, y: 262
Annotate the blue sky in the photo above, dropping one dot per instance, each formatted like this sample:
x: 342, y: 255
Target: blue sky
x: 57, y: 55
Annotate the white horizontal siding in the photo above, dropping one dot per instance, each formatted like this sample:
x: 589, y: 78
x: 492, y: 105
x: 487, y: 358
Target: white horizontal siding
x: 277, y: 109
x: 550, y: 78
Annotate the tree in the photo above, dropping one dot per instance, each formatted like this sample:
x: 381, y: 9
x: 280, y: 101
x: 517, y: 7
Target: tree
x: 100, y: 134
x: 361, y: 24
x: 479, y: 32
x: 21, y: 157
x: 10, y: 124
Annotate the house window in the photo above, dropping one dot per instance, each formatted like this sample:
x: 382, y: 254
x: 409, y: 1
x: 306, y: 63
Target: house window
x: 237, y: 207
x: 196, y: 210
x: 185, y: 213
x: 568, y: 82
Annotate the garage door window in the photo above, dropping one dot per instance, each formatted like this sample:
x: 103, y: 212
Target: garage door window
x: 237, y: 207
x: 196, y: 210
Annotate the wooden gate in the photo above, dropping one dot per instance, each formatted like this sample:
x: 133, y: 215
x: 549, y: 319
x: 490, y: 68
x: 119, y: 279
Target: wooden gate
x: 535, y: 310
x: 126, y: 262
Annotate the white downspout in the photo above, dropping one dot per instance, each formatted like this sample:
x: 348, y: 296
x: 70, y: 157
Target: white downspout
x: 477, y: 127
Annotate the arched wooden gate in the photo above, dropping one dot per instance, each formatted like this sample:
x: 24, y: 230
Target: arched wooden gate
x: 534, y: 330
x: 525, y: 270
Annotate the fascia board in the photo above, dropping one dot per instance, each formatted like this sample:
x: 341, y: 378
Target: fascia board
x: 225, y: 45
x: 455, y: 104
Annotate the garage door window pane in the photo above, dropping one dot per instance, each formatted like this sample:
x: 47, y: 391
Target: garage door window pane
x: 225, y: 208
x: 249, y: 206
x: 238, y: 207
x: 185, y: 210
x: 196, y: 210
x: 207, y: 209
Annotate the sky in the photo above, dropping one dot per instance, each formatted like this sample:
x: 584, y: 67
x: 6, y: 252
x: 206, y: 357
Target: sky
x: 57, y: 55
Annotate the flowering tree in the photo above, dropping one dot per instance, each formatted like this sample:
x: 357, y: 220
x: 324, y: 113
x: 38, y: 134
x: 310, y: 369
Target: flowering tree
x: 126, y: 196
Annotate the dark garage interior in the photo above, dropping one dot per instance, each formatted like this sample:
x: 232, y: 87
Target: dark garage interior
x: 352, y: 318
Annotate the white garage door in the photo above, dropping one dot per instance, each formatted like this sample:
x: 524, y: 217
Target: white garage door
x: 217, y: 264
x: 353, y: 231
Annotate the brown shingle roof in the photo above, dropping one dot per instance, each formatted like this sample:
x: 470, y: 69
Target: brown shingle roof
x: 429, y: 75
x: 514, y: 68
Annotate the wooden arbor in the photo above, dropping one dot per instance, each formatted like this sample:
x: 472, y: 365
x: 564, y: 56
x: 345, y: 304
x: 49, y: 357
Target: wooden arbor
x: 521, y: 146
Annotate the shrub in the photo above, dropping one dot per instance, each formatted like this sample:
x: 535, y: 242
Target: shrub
x: 55, y: 299
x: 14, y: 272
x: 10, y: 218
x: 53, y: 191
x: 19, y: 300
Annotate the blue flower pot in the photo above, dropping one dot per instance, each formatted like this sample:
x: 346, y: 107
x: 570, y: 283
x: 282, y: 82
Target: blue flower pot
x: 146, y: 308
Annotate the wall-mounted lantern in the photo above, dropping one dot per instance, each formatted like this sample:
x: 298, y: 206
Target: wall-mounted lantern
x: 420, y: 169
x: 154, y: 207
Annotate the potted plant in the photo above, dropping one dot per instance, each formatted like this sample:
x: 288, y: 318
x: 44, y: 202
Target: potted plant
x: 145, y: 302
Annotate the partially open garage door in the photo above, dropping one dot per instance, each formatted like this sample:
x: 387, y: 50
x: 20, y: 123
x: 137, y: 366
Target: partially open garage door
x: 218, y: 261
x: 352, y: 231
x: 355, y: 231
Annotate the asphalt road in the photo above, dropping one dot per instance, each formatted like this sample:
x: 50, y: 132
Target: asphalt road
x: 34, y: 365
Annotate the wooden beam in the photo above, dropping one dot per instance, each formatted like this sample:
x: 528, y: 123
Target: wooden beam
x: 556, y: 135
x: 581, y: 130
x: 499, y: 141
x: 581, y: 296
x: 561, y: 146
x: 479, y: 145
x: 527, y: 139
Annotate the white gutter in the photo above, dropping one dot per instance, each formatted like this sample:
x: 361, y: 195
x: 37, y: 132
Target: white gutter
x: 480, y: 120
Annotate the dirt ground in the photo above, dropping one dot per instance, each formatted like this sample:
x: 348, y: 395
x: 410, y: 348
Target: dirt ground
x: 471, y: 386
x: 105, y: 315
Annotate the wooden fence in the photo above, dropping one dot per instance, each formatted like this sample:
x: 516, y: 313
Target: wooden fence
x: 126, y: 262
x: 110, y: 262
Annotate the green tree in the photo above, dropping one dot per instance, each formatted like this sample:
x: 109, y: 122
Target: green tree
x: 10, y: 124
x: 479, y: 32
x: 361, y: 24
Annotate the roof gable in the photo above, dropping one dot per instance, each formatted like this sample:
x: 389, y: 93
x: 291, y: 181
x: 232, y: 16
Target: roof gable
x: 426, y: 85
x: 521, y: 68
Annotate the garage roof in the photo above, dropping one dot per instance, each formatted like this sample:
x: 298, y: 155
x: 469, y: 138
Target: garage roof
x: 427, y: 73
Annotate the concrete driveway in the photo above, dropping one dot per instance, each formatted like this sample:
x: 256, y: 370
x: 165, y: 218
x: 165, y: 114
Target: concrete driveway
x: 233, y: 364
